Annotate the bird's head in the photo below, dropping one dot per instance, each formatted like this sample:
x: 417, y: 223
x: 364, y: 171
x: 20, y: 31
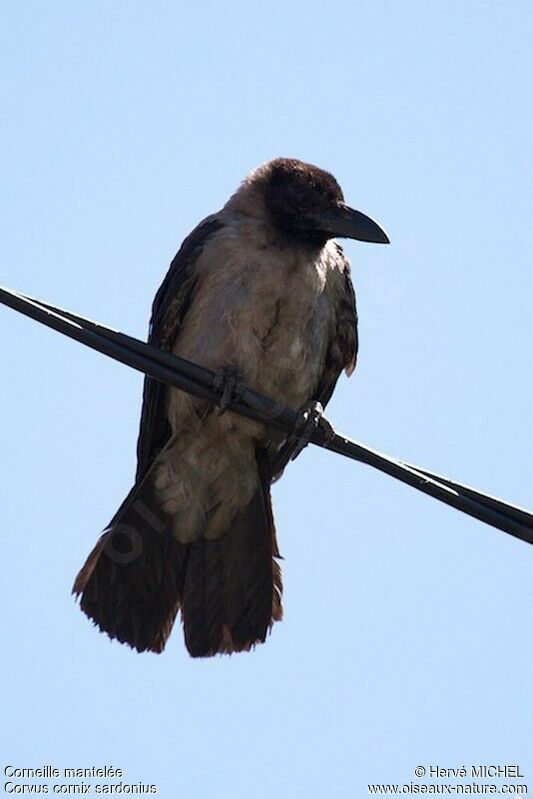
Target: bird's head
x: 307, y: 204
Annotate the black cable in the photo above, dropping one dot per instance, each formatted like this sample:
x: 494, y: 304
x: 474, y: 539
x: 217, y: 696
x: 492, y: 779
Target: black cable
x: 195, y: 379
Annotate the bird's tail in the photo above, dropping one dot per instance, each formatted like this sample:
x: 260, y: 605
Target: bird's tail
x: 232, y: 587
x: 132, y: 581
x: 228, y: 588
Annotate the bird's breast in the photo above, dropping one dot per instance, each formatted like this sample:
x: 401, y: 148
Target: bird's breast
x: 263, y: 309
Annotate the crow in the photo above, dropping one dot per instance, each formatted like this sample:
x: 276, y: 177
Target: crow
x: 259, y: 292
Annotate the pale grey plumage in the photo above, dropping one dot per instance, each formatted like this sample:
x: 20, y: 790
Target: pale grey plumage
x: 270, y: 311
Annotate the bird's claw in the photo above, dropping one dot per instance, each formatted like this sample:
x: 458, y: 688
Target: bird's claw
x: 309, y: 420
x: 229, y: 384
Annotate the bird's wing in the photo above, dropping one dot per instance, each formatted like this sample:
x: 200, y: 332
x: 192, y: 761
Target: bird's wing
x: 168, y: 311
x: 341, y: 354
x: 342, y: 350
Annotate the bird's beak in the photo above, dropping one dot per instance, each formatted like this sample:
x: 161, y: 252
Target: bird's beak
x: 345, y: 222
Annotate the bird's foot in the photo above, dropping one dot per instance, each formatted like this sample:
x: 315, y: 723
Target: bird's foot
x: 310, y: 419
x: 228, y: 382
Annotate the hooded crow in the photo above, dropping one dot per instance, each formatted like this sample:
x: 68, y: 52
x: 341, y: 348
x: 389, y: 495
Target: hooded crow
x: 260, y: 292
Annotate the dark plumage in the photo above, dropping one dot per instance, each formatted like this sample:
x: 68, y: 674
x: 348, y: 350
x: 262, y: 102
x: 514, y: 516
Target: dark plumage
x: 258, y: 287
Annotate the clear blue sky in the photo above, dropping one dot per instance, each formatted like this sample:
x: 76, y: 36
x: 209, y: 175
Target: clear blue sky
x: 407, y: 632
